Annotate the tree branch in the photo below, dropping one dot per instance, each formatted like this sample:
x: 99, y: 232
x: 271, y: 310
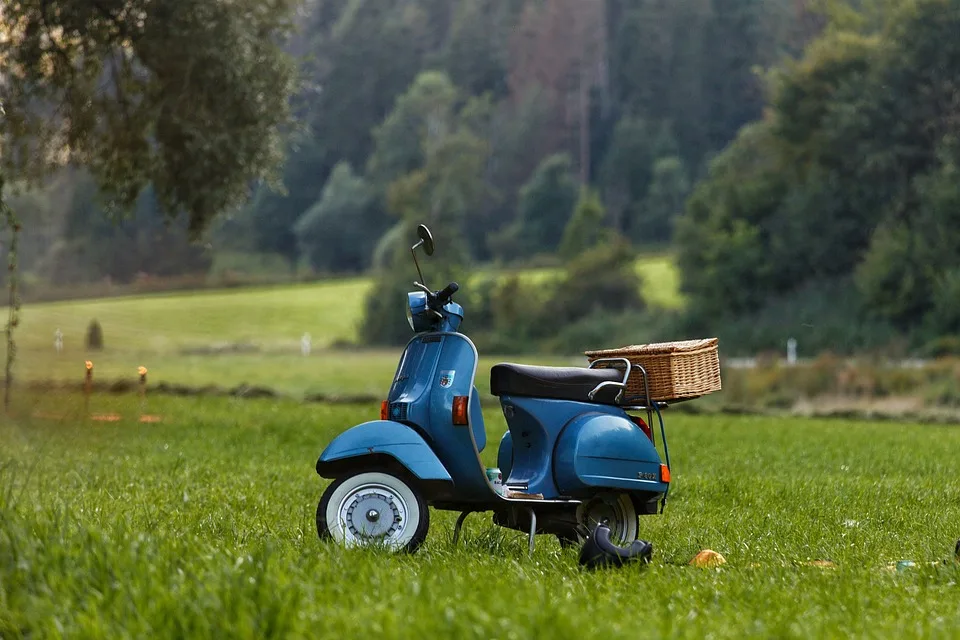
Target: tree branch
x: 56, y: 46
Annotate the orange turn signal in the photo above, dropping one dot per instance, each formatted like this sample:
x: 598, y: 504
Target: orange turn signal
x: 384, y: 410
x: 460, y: 410
x: 664, y: 473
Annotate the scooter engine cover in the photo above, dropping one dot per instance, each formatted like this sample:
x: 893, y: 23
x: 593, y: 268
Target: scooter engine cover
x: 605, y: 450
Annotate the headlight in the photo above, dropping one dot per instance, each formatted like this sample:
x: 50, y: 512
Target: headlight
x: 416, y: 311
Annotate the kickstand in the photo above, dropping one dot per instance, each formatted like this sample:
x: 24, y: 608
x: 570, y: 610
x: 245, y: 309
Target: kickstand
x: 459, y: 525
x: 533, y: 528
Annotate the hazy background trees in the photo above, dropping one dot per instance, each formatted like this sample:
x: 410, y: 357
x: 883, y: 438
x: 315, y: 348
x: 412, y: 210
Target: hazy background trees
x: 798, y: 159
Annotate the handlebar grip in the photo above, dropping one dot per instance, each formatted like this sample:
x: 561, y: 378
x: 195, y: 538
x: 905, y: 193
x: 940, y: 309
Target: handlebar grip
x: 445, y: 294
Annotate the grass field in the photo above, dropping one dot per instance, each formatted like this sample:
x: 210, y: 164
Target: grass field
x: 203, y: 526
x: 186, y: 338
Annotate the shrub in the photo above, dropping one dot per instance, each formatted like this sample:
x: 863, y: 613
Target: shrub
x: 601, y: 279
x: 948, y: 345
x: 584, y: 230
x: 94, y: 336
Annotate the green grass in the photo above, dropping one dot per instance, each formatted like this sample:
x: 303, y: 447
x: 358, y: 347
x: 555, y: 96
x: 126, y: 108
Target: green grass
x: 163, y: 333
x: 274, y: 317
x: 330, y: 373
x: 661, y: 280
x: 203, y: 526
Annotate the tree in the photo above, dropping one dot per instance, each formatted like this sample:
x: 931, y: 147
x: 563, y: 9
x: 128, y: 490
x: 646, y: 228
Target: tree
x: 691, y: 63
x: 371, y: 54
x: 664, y: 200
x: 557, y: 48
x: 852, y: 172
x: 603, y: 278
x: 273, y: 212
x: 339, y: 232
x: 628, y: 168
x: 585, y: 229
x: 546, y: 204
x: 720, y: 252
x: 123, y: 87
x: 516, y: 136
x: 142, y: 243
x: 474, y: 54
x: 421, y: 116
x: 432, y: 162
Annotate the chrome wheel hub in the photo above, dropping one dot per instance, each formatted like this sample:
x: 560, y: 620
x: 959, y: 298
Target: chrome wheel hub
x: 599, y: 511
x: 373, y: 512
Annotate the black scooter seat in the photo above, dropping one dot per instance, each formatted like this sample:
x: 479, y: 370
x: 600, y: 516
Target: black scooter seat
x: 557, y: 383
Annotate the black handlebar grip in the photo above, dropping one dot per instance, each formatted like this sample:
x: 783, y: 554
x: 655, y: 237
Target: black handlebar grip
x: 451, y: 289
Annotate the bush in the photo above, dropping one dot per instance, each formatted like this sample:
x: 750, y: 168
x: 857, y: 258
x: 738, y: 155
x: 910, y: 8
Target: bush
x: 940, y: 347
x: 585, y: 229
x: 94, y: 336
x: 822, y: 316
x: 601, y: 279
x: 604, y: 329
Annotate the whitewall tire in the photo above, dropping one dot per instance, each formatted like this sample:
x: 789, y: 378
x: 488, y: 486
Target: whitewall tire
x: 373, y: 508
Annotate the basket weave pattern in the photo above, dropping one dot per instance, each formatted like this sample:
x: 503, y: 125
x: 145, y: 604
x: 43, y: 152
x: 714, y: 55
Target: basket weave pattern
x: 675, y: 370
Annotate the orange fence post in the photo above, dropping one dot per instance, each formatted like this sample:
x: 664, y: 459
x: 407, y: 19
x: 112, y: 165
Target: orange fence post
x: 87, y: 388
x: 143, y: 397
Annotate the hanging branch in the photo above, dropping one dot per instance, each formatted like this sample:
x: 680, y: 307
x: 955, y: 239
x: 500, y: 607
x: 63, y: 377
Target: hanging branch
x: 13, y: 224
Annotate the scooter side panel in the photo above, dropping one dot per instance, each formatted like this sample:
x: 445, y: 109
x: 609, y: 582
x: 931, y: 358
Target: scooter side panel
x: 380, y: 437
x: 412, y: 393
x: 411, y: 384
x: 458, y: 445
x: 534, y: 424
x: 605, y: 450
x: 435, y: 368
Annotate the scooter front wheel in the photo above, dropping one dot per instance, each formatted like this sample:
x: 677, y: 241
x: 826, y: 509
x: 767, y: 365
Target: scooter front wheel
x: 373, y: 508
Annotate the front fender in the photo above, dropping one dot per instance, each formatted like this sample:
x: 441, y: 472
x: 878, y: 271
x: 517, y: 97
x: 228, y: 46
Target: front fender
x: 377, y: 439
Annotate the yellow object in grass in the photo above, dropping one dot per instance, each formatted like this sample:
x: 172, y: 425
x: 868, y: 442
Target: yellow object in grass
x: 708, y: 558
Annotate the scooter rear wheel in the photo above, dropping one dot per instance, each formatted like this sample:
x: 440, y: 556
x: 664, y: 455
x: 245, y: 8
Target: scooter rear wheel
x: 373, y: 508
x: 616, y: 511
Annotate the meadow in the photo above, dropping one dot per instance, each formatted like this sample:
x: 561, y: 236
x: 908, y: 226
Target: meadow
x: 202, y: 525
x: 249, y: 336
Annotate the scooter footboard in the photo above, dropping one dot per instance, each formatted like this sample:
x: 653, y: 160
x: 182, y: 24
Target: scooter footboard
x: 605, y: 450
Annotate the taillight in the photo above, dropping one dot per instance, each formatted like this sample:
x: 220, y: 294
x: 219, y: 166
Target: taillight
x: 460, y: 410
x: 384, y: 410
x: 664, y: 473
x: 637, y: 420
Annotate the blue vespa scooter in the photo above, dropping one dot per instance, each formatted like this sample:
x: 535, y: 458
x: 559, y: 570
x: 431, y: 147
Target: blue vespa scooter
x: 572, y: 457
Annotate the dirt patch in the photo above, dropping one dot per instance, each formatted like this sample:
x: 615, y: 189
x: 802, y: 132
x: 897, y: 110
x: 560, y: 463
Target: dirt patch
x: 220, y: 349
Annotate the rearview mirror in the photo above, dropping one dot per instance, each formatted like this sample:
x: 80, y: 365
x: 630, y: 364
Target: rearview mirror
x: 426, y: 238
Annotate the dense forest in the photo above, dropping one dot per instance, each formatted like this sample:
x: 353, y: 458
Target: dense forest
x: 797, y: 157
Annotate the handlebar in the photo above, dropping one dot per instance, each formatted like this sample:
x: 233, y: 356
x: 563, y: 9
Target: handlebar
x: 440, y: 297
x: 445, y: 295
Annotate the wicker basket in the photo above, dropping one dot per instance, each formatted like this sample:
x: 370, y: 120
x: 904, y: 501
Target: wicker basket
x: 675, y: 370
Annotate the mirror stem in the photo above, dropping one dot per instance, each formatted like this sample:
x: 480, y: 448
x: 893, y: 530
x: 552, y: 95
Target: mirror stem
x: 413, y: 251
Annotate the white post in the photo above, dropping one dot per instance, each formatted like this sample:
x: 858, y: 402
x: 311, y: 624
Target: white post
x: 305, y: 344
x: 791, y: 351
x: 58, y: 341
